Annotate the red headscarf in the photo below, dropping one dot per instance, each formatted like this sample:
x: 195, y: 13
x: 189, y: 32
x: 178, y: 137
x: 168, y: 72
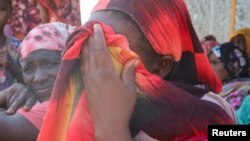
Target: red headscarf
x: 168, y: 27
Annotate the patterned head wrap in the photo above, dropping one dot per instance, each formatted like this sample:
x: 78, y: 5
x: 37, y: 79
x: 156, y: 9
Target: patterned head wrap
x: 235, y: 60
x: 51, y: 36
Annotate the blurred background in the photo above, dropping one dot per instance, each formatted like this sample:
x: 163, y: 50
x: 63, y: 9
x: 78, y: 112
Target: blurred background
x: 217, y: 17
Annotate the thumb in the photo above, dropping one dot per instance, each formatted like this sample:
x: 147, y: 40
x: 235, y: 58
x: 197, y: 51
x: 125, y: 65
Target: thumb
x: 128, y: 74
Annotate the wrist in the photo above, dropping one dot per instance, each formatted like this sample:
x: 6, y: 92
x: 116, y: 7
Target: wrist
x: 3, y: 103
x: 112, y: 133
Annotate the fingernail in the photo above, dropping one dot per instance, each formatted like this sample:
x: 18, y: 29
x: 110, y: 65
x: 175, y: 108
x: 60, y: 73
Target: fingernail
x: 136, y: 63
x: 96, y: 27
x: 9, y: 111
x: 25, y: 108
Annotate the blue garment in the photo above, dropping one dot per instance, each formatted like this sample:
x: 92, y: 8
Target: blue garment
x: 243, y: 113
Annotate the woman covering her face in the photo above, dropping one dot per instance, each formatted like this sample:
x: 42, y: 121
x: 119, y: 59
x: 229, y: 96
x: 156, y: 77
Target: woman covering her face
x: 99, y: 97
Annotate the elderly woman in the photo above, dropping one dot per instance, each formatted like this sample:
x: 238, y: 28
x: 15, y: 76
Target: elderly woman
x: 40, y: 55
x: 231, y: 65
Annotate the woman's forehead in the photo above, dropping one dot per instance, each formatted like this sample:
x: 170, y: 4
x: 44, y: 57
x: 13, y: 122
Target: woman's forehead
x: 43, y: 54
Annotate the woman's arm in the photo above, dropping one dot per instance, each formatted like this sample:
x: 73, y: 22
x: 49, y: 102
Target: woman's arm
x: 16, y: 128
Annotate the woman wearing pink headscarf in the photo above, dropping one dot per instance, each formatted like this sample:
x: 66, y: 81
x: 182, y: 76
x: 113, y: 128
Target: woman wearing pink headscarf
x: 40, y: 55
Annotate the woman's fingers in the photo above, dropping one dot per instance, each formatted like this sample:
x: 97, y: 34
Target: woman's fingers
x: 18, y: 96
x: 16, y: 102
x: 128, y: 74
x: 85, y: 67
x: 18, y: 99
x: 30, y: 103
x: 99, y: 49
x: 97, y: 63
x: 107, y: 95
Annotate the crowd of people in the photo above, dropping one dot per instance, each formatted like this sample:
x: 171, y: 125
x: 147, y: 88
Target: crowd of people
x: 230, y: 62
x: 134, y: 71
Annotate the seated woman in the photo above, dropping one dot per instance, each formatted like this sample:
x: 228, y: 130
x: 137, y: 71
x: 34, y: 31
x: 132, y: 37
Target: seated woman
x: 231, y: 65
x: 40, y: 54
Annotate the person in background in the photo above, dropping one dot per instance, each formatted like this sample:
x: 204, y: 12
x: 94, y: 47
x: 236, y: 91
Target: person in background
x: 27, y: 14
x: 165, y: 91
x: 66, y: 11
x: 10, y: 69
x: 231, y: 65
x: 241, y: 38
x: 243, y: 113
x: 40, y: 54
x: 208, y: 42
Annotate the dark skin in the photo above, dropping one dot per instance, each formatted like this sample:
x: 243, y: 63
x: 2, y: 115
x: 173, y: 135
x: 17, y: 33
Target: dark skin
x: 40, y: 74
x: 15, y: 97
x: 40, y: 69
x: 97, y: 68
x: 97, y: 58
x: 111, y: 98
x: 122, y: 24
x: 218, y: 67
x: 117, y: 93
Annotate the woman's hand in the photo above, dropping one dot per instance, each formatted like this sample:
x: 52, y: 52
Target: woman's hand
x: 17, y: 96
x: 111, y: 99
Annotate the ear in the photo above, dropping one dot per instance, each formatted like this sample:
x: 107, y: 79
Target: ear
x: 164, y: 66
